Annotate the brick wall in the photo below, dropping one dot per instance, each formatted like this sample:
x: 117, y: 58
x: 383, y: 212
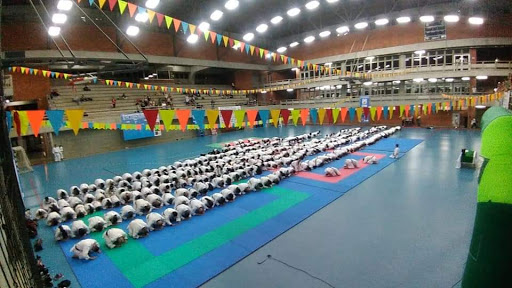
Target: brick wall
x: 29, y: 87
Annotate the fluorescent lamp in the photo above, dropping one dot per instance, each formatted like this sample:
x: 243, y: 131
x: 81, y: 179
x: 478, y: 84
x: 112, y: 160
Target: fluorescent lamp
x: 248, y: 37
x: 295, y: 69
x: 448, y: 80
x: 192, y: 38
x: 396, y: 82
x: 231, y: 4
x: 276, y: 20
x: 293, y: 44
x: 289, y: 90
x: 59, y: 18
x: 476, y: 20
x: 451, y: 18
x: 420, y: 52
x: 481, y: 77
x: 328, y: 64
x: 480, y: 107
x: 417, y: 80
x: 204, y: 26
x: 332, y: 1
x: 293, y: 12
x: 264, y: 91
x: 369, y: 58
x: 281, y: 49
x: 132, y: 30
x: 432, y: 80
x: 262, y: 28
x: 151, y: 4
x: 381, y: 22
x: 361, y: 25
x: 427, y: 18
x: 465, y: 78
x: 53, y: 31
x: 64, y: 5
x: 216, y: 15
x: 312, y: 5
x: 342, y: 30
x: 309, y: 39
x: 142, y: 17
x: 403, y: 19
x: 369, y: 83
x: 324, y: 34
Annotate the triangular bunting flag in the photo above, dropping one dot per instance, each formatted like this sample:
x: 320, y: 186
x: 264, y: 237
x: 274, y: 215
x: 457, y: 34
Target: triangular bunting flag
x: 379, y: 112
x: 212, y: 116
x: 35, y: 117
x: 285, y: 113
x: 168, y: 21
x: 131, y: 8
x: 385, y: 112
x: 328, y: 113
x: 402, y: 109
x: 321, y: 115
x: 226, y: 117
x: 16, y: 122
x: 335, y: 115
x: 251, y: 117
x: 219, y: 39
x: 225, y: 39
x: 304, y: 115
x: 359, y: 113
x: 264, y: 116
x: 177, y: 24
x: 160, y: 19
x: 23, y: 119
x: 343, y: 113
x: 193, y: 29
x: 56, y: 118
x: 102, y: 2
x: 183, y: 116
x: 9, y: 120
x: 275, y: 116
x: 295, y: 116
x: 151, y: 116
x: 239, y: 116
x: 213, y: 36
x: 184, y: 25
x: 352, y: 114
x: 314, y: 115
x: 405, y: 108
x: 75, y: 119
x: 122, y: 6
x: 373, y: 111
x: 112, y: 3
x: 199, y: 118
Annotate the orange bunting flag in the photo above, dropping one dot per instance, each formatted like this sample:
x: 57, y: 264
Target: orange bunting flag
x: 75, y: 118
x: 183, y: 117
x: 251, y: 117
x: 343, y: 113
x: 177, y: 24
x: 304, y: 114
x: 35, y: 117
x: 132, y: 8
x: 379, y: 112
x: 407, y: 109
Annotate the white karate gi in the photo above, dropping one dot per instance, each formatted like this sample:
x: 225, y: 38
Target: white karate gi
x: 370, y: 160
x: 171, y: 216
x: 96, y: 223
x: 208, y: 201
x: 127, y: 212
x: 138, y: 228
x: 155, y: 200
x: 181, y: 200
x: 83, y: 248
x: 112, y: 237
x: 197, y: 207
x: 396, y: 153
x: 53, y: 219
x: 79, y: 229
x: 228, y: 195
x: 56, y: 154
x: 155, y: 221
x: 184, y: 211
x: 59, y: 235
x: 351, y: 164
x: 67, y: 213
x: 332, y: 172
x: 219, y: 199
x: 112, y: 218
x: 142, y: 206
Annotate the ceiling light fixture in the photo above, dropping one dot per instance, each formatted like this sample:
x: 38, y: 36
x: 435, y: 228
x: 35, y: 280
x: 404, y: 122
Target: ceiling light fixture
x: 64, y: 5
x: 312, y: 5
x: 369, y: 58
x: 309, y: 39
x: 427, y: 18
x: 403, y: 19
x: 141, y: 17
x: 59, y: 18
x: 420, y: 52
x: 432, y: 80
x: 231, y: 4
x: 216, y: 15
x: 289, y: 90
x: 332, y: 1
x: 476, y: 20
x: 53, y: 31
x: 281, y: 49
x: 132, y: 30
x: 369, y: 83
x: 342, y: 30
x: 324, y: 34
x: 204, y: 26
x: 381, y: 22
x: 418, y: 80
x: 151, y: 4
x: 293, y: 12
x: 448, y: 80
x: 276, y: 20
x: 465, y: 78
x: 248, y: 37
x: 264, y: 92
x: 293, y: 44
x: 361, y: 25
x: 192, y: 39
x: 481, y: 77
x: 262, y: 28
x: 451, y: 18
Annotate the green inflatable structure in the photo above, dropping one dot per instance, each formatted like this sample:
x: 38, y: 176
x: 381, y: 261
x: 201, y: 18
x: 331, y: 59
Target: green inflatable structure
x: 489, y: 261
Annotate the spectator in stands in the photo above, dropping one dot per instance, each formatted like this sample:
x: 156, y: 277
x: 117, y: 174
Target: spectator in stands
x: 61, y: 151
x: 56, y: 153
x: 418, y: 121
x: 113, y: 102
x: 85, y: 99
x: 76, y: 99
x: 54, y: 93
x: 124, y: 97
x: 187, y: 100
x: 473, y: 123
x: 213, y: 103
x: 86, y: 88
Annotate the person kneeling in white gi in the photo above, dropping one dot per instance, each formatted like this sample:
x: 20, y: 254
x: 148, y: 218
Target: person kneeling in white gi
x: 370, y: 160
x: 63, y: 232
x: 184, y: 211
x: 84, y: 249
x: 155, y: 221
x: 115, y: 238
x: 197, y: 207
x: 332, y: 172
x: 79, y: 229
x: 96, y: 223
x: 351, y: 164
x: 138, y: 229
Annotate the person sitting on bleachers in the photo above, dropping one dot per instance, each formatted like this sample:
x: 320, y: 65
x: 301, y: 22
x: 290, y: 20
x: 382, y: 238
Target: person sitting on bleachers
x: 86, y: 88
x: 76, y: 99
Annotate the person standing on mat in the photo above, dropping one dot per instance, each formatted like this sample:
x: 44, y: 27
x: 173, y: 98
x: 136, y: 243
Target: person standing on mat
x: 396, y: 152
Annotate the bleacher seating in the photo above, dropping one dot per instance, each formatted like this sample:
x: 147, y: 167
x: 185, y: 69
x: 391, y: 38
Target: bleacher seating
x: 100, y: 109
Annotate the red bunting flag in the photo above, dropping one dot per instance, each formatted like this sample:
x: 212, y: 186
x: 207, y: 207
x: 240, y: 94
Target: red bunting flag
x: 151, y: 116
x: 111, y: 4
x: 160, y: 18
x: 286, y: 116
x: 226, y: 116
x: 329, y: 116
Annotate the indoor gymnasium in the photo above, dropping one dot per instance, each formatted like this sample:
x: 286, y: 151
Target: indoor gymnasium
x: 225, y: 143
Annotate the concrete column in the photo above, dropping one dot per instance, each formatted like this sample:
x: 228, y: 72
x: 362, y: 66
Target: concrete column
x: 193, y: 72
x: 402, y: 61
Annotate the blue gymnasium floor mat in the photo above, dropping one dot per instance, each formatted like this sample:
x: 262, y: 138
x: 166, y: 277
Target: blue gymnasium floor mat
x: 388, y: 145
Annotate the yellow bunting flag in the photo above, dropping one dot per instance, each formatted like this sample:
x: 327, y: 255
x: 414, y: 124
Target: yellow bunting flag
x: 168, y: 21
x: 102, y: 2
x: 239, y: 116
x: 122, y: 6
x: 225, y: 39
x: 23, y: 122
x: 321, y: 115
x: 167, y: 117
x: 275, y: 116
x: 75, y: 118
x: 295, y: 116
x: 212, y: 116
x: 359, y: 113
